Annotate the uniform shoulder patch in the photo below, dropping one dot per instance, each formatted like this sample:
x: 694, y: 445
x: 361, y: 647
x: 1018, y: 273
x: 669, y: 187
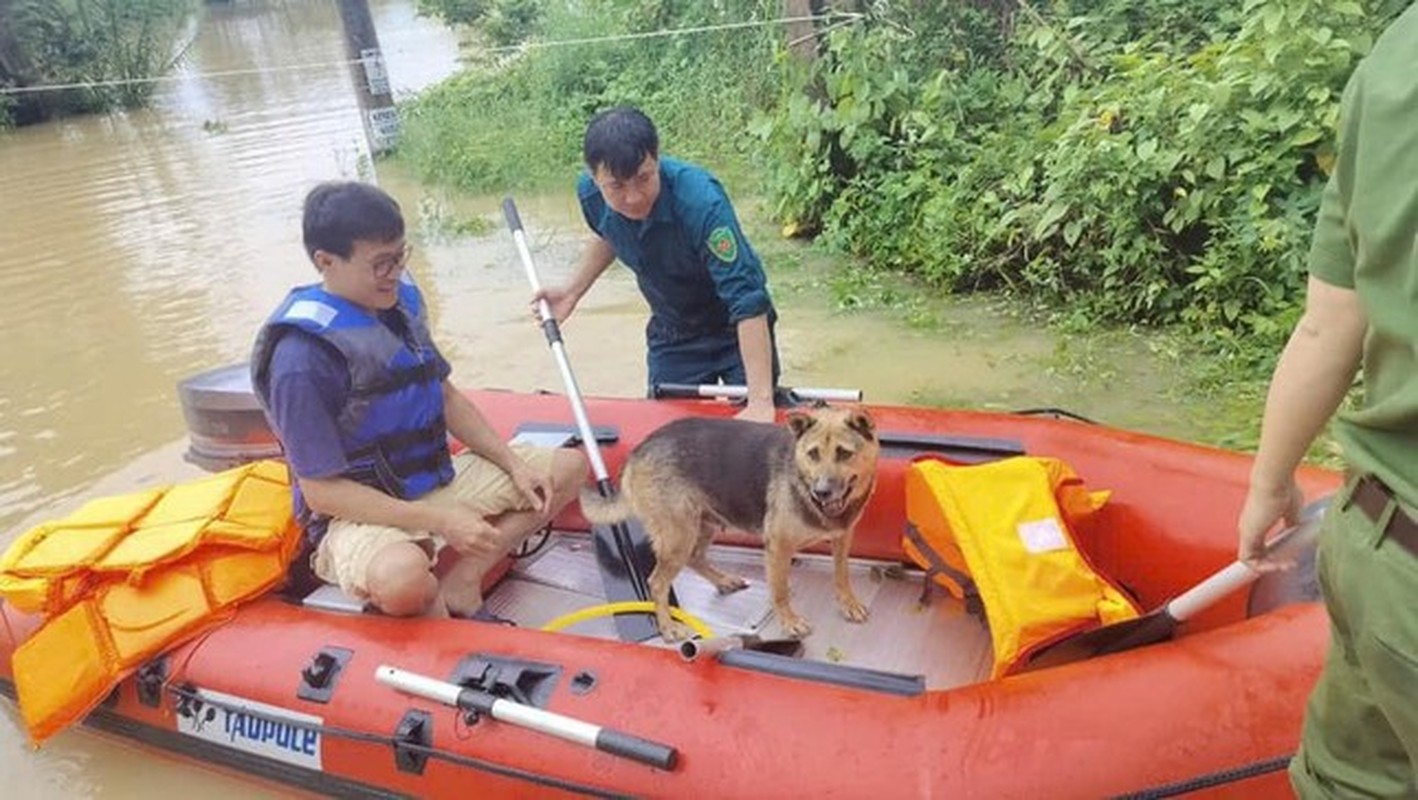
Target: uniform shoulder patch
x: 723, y: 244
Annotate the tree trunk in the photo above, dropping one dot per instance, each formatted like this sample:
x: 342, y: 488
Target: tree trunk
x: 802, y: 35
x: 14, y: 67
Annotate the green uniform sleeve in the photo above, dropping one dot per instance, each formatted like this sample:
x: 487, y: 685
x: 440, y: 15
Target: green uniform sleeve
x: 1332, y: 248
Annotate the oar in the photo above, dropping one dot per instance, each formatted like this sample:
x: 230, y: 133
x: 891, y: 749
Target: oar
x: 622, y: 550
x: 785, y: 396
x: 1160, y: 624
x: 501, y: 709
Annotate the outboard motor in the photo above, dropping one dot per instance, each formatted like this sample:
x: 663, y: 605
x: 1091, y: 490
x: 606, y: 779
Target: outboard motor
x: 225, y: 423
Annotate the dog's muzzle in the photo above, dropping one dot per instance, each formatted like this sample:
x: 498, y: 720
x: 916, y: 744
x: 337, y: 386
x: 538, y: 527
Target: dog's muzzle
x: 830, y: 497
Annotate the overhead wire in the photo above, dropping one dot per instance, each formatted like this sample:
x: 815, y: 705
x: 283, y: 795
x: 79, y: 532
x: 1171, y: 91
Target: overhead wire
x: 839, y: 18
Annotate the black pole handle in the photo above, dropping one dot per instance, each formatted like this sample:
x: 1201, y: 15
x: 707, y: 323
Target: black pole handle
x: 509, y: 210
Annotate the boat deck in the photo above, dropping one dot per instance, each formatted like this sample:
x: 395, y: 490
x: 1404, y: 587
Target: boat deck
x: 938, y: 640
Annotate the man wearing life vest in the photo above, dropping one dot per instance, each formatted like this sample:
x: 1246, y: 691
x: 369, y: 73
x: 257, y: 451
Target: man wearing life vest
x: 1361, y: 727
x: 359, y: 395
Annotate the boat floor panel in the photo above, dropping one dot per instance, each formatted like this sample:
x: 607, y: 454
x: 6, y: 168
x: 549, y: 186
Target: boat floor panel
x: 937, y: 639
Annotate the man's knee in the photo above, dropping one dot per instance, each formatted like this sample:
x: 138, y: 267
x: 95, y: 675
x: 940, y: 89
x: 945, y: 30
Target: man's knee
x: 399, y: 580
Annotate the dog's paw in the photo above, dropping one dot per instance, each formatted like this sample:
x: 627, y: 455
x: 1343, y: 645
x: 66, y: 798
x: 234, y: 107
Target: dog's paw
x: 852, y: 608
x: 730, y: 584
x: 675, y: 631
x: 795, y: 626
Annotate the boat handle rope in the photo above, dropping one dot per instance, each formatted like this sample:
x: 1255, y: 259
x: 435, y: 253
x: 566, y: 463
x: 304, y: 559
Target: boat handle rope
x: 190, y: 692
x: 1233, y: 775
x: 573, y: 730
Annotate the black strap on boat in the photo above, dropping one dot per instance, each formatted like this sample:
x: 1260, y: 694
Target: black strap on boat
x: 1056, y: 413
x: 1252, y: 770
x: 190, y: 693
x: 938, y: 565
x: 962, y: 449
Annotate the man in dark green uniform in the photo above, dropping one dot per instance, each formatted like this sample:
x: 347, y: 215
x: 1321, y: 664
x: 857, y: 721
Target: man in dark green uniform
x: 1361, y: 727
x: 672, y: 224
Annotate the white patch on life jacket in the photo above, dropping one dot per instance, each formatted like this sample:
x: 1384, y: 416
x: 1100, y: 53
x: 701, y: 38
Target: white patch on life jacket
x: 1042, y: 535
x: 270, y: 732
x: 313, y: 310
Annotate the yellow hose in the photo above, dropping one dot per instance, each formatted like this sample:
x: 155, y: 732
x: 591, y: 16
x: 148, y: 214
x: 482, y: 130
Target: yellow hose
x: 607, y: 609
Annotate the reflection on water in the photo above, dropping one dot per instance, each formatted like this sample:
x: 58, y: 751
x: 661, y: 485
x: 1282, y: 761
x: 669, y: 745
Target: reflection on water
x: 138, y: 248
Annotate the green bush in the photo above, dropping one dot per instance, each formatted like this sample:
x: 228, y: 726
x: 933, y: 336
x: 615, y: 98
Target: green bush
x: 83, y: 41
x: 1154, y: 162
x: 517, y: 119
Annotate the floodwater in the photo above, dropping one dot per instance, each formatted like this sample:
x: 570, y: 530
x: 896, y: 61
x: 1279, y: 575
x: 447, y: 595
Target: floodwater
x: 137, y: 249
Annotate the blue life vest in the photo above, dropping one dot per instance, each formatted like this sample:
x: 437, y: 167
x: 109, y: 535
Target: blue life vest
x: 392, y: 427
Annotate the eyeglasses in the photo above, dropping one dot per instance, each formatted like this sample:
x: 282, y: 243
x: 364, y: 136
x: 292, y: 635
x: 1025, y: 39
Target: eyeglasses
x: 387, y: 266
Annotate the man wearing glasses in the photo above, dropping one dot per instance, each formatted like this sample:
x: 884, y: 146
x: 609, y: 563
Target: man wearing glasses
x: 711, y: 317
x: 359, y: 395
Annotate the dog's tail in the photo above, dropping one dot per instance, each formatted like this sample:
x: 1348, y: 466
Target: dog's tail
x: 600, y: 510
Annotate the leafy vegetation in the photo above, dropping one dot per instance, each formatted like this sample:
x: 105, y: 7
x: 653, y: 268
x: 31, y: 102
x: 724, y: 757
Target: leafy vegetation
x: 1125, y: 162
x: 517, y: 117
x: 500, y: 22
x: 55, y: 42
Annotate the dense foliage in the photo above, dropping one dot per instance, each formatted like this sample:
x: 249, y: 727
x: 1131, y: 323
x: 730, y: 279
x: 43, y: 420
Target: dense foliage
x: 517, y: 118
x: 1154, y: 161
x: 1117, y: 161
x: 500, y: 22
x: 55, y: 42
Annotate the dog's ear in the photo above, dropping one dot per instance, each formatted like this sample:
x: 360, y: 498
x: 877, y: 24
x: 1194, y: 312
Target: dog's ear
x: 861, y: 422
x: 800, y: 422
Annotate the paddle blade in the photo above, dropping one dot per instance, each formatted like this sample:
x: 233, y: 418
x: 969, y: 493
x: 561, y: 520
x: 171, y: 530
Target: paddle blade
x: 625, y: 558
x: 1160, y: 625
x: 1151, y: 628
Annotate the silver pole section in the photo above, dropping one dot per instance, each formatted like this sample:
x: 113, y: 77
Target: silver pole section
x: 511, y: 712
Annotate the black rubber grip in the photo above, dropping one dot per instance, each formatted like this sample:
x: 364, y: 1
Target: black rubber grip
x: 658, y: 390
x: 509, y: 210
x: 474, y: 700
x: 551, y: 329
x: 636, y: 749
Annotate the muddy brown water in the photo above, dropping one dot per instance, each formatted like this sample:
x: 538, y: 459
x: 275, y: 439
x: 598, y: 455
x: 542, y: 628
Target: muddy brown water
x: 138, y: 249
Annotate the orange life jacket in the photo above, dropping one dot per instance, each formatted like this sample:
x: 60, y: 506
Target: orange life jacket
x: 1004, y: 530
x: 124, y: 578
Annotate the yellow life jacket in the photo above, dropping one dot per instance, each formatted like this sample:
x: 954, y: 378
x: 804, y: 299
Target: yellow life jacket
x: 124, y: 578
x: 1005, y: 529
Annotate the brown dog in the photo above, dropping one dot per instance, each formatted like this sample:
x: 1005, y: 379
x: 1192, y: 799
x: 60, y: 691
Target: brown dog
x: 795, y: 485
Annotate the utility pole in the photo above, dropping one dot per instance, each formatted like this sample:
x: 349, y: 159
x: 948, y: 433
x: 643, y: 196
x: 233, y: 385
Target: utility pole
x: 802, y: 34
x: 371, y: 78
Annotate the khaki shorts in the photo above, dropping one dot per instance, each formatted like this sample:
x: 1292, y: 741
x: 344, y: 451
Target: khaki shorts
x: 347, y: 548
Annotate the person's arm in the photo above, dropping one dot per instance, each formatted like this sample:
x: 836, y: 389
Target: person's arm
x: 1311, y: 379
x: 471, y: 428
x: 756, y: 350
x: 596, y: 256
x: 740, y: 282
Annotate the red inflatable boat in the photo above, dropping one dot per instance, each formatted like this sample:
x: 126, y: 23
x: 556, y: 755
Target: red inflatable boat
x: 309, y: 692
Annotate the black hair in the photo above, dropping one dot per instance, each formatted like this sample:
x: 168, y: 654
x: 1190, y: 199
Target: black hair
x: 619, y: 138
x: 339, y: 213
